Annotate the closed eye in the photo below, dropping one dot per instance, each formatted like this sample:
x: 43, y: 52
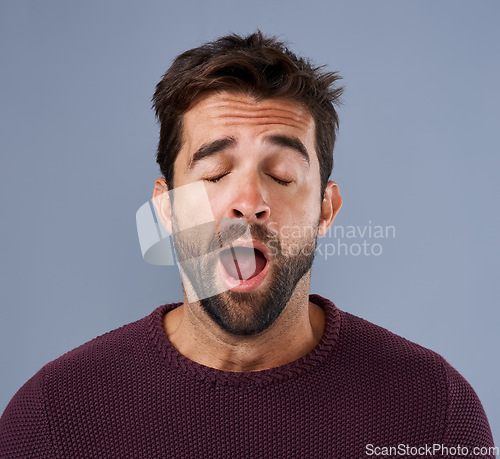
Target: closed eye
x: 216, y: 179
x: 281, y: 182
x: 277, y: 180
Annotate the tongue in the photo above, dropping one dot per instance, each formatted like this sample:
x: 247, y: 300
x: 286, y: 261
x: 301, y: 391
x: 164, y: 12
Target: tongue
x: 243, y: 263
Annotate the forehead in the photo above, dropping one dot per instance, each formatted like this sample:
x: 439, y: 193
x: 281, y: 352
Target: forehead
x: 240, y: 112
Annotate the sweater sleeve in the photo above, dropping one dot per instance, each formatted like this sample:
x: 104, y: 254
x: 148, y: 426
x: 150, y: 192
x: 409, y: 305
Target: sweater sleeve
x: 24, y: 426
x: 466, y: 422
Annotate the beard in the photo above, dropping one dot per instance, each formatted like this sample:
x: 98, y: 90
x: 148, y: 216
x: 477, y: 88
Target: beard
x: 245, y: 314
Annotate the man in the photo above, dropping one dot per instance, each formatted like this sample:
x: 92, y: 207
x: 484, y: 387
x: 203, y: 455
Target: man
x: 249, y: 365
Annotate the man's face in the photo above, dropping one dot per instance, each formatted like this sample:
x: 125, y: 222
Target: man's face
x: 258, y: 163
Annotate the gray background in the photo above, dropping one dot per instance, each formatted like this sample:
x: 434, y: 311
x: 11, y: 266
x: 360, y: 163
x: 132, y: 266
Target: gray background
x: 418, y: 149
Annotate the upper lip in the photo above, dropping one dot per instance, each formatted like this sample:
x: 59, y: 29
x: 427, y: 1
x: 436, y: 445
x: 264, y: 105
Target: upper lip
x: 250, y: 243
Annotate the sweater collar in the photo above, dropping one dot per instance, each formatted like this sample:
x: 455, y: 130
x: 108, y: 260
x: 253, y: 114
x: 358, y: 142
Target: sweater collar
x: 306, y: 364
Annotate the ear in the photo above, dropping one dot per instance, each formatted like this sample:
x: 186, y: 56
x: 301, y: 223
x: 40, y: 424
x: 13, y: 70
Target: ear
x: 161, y: 201
x: 332, y: 202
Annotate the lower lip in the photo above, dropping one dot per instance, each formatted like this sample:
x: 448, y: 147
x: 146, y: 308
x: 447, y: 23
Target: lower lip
x: 242, y: 286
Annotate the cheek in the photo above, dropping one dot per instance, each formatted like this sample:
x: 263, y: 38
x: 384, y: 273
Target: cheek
x: 296, y: 225
x: 302, y: 206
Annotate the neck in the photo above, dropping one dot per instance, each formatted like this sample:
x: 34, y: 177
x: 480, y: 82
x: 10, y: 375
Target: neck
x: 294, y: 334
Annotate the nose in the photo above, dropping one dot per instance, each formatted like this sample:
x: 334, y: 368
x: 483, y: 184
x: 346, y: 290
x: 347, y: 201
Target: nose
x: 249, y: 202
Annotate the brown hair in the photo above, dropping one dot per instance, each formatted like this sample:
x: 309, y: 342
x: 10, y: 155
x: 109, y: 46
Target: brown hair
x: 257, y: 65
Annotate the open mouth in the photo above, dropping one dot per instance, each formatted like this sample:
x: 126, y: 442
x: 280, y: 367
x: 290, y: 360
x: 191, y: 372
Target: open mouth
x: 243, y: 263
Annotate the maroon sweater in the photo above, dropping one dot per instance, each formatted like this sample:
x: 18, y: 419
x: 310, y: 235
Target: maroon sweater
x: 129, y: 393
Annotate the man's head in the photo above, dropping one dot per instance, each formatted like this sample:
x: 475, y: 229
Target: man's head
x: 259, y: 66
x: 252, y: 127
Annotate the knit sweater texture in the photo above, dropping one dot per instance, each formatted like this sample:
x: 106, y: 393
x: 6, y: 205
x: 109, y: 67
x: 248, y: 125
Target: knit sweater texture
x: 130, y: 394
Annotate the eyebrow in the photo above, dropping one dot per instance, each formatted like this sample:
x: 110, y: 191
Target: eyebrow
x: 290, y: 142
x: 219, y: 145
x: 210, y: 149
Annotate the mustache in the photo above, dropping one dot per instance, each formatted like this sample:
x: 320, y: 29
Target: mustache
x: 212, y: 236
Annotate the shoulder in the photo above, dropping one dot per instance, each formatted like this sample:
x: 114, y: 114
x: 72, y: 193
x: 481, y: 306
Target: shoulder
x: 113, y: 343
x: 384, y: 345
x: 374, y: 359
x: 360, y: 342
x: 70, y: 384
x: 106, y: 355
x: 399, y: 369
x: 377, y: 349
x: 96, y: 354
x: 384, y: 362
